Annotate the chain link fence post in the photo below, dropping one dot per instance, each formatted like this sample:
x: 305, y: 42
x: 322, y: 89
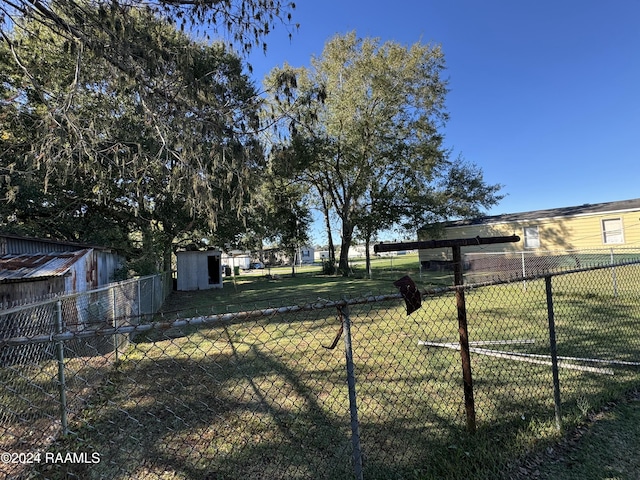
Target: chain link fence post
x: 62, y: 387
x: 139, y: 300
x: 115, y: 324
x: 614, y: 279
x: 554, y: 351
x: 351, y: 382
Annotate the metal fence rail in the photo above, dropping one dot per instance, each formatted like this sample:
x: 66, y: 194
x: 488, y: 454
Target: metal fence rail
x: 333, y: 388
x: 110, y: 306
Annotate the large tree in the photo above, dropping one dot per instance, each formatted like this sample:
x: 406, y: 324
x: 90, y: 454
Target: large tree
x: 364, y: 125
x: 101, y: 25
x: 286, y: 216
x: 163, y: 153
x: 107, y: 100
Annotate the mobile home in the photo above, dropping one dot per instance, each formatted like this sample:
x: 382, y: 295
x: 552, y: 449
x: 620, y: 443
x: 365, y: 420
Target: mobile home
x: 610, y: 225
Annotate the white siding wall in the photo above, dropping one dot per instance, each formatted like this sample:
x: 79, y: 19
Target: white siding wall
x: 193, y: 273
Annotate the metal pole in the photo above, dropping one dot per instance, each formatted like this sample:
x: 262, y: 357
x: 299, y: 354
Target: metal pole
x: 554, y: 351
x: 351, y: 382
x: 524, y: 274
x: 139, y: 299
x: 113, y: 303
x: 613, y: 275
x: 465, y: 355
x: 153, y: 296
x: 116, y: 340
x: 115, y: 323
x: 61, y: 380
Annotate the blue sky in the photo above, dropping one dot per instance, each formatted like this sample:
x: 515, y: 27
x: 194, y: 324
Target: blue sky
x: 544, y: 95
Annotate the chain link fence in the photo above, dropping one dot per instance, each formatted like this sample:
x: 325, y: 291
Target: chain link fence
x: 44, y: 385
x: 486, y: 266
x: 333, y: 388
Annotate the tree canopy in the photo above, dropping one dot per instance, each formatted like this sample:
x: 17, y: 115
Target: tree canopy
x: 102, y: 25
x: 363, y: 128
x: 165, y: 153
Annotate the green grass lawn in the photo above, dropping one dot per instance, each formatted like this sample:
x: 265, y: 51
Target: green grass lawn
x: 276, y: 287
x: 261, y: 398
x: 604, y: 446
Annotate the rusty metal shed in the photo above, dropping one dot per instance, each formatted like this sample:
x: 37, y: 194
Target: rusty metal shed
x: 30, y: 276
x: 107, y: 261
x: 34, y: 268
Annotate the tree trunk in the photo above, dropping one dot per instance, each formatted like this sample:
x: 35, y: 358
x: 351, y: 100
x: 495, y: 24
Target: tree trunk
x: 367, y: 243
x: 292, y: 252
x: 167, y: 252
x: 327, y: 220
x: 332, y: 247
x: 347, y: 236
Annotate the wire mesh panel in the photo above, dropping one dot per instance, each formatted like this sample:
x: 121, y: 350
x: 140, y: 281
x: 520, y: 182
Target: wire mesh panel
x: 46, y: 384
x: 509, y: 344
x: 26, y: 321
x: 409, y: 395
x: 29, y: 417
x: 238, y: 399
x: 486, y: 266
x: 354, y: 387
x: 597, y: 317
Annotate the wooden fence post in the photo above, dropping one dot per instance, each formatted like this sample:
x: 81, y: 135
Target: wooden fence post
x: 465, y: 355
x: 554, y: 351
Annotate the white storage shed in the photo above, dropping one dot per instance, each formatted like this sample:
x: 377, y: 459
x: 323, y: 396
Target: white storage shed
x: 199, y: 270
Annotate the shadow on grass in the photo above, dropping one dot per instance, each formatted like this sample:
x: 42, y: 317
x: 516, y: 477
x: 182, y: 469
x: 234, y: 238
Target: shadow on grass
x: 245, y: 413
x: 268, y: 402
x: 237, y: 414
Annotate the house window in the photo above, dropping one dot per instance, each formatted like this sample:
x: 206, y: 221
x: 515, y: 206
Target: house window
x: 531, y: 237
x: 612, y: 231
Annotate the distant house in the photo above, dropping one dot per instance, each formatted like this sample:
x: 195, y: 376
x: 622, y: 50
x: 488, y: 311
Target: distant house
x: 199, y: 270
x: 590, y: 226
x: 237, y: 258
x: 305, y: 256
x: 359, y: 251
x: 33, y: 268
x: 320, y: 255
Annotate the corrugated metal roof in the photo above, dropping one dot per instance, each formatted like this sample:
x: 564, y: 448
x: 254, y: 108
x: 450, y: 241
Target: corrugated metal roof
x: 17, y: 244
x: 31, y: 266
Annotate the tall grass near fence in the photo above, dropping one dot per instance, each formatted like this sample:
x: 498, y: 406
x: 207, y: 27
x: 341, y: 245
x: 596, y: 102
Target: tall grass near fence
x: 260, y: 395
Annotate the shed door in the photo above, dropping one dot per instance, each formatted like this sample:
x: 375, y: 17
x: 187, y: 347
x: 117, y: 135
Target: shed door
x: 213, y: 269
